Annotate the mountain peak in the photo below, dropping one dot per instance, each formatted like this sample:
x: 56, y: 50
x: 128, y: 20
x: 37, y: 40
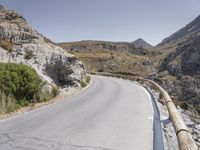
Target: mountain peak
x: 141, y: 43
x: 139, y: 39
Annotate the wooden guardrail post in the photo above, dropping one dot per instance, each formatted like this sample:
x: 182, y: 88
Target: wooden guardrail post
x: 184, y: 136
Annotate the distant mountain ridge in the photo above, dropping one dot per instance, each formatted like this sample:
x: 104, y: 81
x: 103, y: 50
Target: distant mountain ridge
x: 141, y: 43
x: 183, y: 35
x: 112, y: 56
x: 103, y: 45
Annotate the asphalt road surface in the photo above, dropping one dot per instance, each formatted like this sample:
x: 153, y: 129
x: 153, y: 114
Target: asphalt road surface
x: 112, y: 114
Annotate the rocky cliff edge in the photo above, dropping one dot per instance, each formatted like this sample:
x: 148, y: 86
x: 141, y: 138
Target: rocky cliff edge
x: 20, y: 43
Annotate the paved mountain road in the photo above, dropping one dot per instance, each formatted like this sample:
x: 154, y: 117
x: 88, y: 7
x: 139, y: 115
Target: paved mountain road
x: 112, y: 114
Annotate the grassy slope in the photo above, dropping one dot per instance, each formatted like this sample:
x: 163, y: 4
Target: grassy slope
x: 102, y: 59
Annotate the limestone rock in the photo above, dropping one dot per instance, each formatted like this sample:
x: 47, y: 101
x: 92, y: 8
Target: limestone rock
x: 52, y: 63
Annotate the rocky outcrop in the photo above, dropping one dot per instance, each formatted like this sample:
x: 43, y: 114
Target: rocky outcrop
x: 29, y: 47
x: 61, y: 70
x: 185, y: 60
x: 190, y: 90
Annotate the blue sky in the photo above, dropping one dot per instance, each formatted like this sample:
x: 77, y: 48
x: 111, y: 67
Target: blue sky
x: 112, y: 20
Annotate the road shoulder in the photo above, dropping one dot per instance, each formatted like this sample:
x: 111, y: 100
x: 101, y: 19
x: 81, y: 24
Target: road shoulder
x: 66, y: 92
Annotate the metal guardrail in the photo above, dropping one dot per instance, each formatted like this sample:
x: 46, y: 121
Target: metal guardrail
x: 184, y: 136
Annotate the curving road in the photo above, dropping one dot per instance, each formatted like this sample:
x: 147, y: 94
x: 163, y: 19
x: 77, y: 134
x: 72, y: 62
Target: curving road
x: 112, y: 114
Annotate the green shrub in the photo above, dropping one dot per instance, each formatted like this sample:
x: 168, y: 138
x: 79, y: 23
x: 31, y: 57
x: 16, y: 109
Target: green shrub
x: 85, y: 81
x: 88, y: 78
x: 83, y: 84
x: 7, y: 45
x: 19, y: 85
x: 55, y: 91
x: 2, y: 102
x: 20, y: 80
x: 42, y: 96
x: 7, y: 103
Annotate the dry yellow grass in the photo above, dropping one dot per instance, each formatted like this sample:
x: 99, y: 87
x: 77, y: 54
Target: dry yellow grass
x: 7, y: 45
x: 114, y: 61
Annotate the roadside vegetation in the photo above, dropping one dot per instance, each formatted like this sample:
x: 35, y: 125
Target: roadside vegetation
x: 20, y: 86
x: 86, y: 81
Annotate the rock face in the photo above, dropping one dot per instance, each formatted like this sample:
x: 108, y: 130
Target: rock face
x: 20, y: 43
x: 184, y: 63
x: 142, y: 43
x: 185, y: 60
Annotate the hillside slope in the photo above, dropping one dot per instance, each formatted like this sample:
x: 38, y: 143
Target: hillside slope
x: 182, y: 36
x: 181, y: 60
x: 113, y: 57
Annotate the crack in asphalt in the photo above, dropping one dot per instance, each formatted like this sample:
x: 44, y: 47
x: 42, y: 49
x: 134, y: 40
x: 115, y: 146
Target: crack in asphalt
x: 7, y: 139
x: 94, y: 147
